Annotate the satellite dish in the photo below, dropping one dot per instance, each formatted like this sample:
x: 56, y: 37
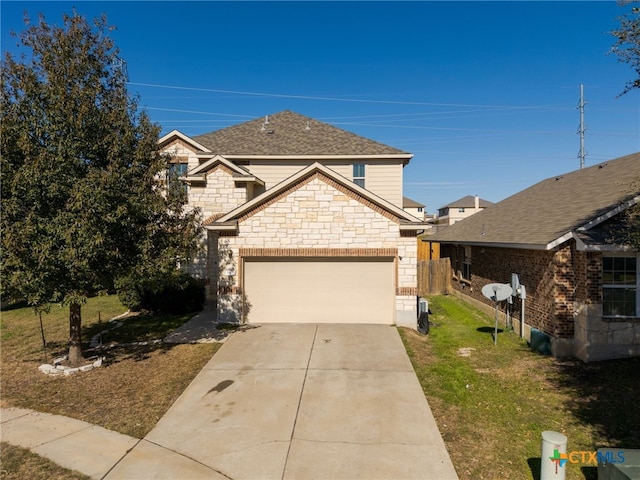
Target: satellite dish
x: 497, y: 291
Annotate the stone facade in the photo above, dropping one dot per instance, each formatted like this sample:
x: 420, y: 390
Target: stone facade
x: 300, y: 202
x: 316, y: 218
x: 219, y: 194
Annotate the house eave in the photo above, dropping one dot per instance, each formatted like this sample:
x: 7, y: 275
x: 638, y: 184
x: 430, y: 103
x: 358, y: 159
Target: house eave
x: 193, y: 178
x: 230, y: 226
x: 415, y: 226
x: 611, y: 213
x: 395, y: 156
x: 523, y: 246
x: 248, y: 179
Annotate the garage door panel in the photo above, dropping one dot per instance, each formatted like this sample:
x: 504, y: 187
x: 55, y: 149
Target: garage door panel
x: 320, y: 290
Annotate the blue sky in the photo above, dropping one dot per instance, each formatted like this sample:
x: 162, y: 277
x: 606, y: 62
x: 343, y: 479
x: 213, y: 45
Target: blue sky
x: 484, y: 94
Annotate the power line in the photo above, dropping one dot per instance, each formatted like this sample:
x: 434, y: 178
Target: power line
x: 337, y: 99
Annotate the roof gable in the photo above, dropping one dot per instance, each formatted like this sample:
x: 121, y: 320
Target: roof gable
x: 289, y: 133
x: 217, y: 160
x: 176, y: 136
x: 548, y: 213
x: 329, y: 176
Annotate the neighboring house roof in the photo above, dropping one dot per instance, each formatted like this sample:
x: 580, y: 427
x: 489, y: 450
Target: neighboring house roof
x: 553, y: 210
x: 408, y: 203
x: 229, y: 220
x: 288, y: 133
x: 468, y: 202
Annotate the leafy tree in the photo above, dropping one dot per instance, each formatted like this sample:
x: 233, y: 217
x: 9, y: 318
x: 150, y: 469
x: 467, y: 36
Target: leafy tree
x: 627, y: 46
x: 84, y: 203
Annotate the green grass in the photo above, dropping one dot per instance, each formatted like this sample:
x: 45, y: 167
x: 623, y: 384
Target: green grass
x: 129, y: 393
x: 20, y: 327
x: 492, y: 405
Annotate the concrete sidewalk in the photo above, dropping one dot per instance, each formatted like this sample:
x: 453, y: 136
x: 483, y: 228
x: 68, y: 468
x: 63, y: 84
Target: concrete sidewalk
x: 288, y: 402
x: 71, y: 443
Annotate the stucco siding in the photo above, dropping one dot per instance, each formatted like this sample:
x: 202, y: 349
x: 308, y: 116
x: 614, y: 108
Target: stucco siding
x: 385, y: 180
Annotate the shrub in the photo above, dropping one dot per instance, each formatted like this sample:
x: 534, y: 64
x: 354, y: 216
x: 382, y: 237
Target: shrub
x: 176, y: 294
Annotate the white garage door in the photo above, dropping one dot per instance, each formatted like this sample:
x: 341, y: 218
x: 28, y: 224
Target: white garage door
x: 320, y: 290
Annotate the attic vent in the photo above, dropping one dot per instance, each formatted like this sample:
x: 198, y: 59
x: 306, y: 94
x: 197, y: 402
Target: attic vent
x: 270, y: 132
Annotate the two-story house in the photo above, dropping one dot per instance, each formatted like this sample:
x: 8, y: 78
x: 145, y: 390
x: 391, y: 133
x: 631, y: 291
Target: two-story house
x: 461, y: 209
x: 303, y: 222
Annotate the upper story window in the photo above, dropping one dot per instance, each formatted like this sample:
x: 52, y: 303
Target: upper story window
x: 174, y: 171
x: 358, y: 174
x: 420, y: 209
x: 461, y: 210
x: 620, y: 287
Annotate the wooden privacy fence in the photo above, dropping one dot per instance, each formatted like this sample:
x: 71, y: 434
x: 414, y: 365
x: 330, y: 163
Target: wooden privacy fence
x: 434, y: 277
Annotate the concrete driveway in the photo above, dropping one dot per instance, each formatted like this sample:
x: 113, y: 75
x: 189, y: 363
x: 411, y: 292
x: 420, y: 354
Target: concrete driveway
x: 286, y: 401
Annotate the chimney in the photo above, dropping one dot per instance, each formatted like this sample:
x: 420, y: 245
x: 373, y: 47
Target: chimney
x: 476, y: 204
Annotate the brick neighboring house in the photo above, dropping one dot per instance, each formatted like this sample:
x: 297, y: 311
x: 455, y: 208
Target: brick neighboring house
x: 303, y: 222
x: 583, y: 286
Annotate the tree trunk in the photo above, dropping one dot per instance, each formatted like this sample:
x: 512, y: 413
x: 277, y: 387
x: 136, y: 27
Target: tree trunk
x: 75, y: 345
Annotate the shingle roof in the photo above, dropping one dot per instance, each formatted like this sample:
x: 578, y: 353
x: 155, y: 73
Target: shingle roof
x: 545, y: 212
x: 468, y: 202
x: 408, y: 203
x: 289, y: 133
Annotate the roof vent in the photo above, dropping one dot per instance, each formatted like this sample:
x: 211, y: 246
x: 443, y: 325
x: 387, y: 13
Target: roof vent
x: 308, y: 127
x: 266, y: 122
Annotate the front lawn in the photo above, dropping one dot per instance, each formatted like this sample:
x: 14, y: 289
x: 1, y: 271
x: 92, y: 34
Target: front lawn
x: 492, y: 402
x: 129, y: 394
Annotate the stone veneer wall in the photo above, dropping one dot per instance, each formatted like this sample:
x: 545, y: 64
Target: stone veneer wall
x: 220, y: 193
x: 323, y: 219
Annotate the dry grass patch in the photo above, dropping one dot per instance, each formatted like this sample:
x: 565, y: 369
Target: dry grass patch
x: 129, y: 394
x: 18, y: 463
x: 492, y: 405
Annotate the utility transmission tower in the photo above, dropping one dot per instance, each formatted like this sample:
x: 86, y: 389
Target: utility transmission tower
x: 582, y: 128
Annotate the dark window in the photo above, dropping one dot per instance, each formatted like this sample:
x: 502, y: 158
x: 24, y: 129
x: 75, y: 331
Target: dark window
x: 358, y: 174
x: 175, y: 171
x: 620, y: 286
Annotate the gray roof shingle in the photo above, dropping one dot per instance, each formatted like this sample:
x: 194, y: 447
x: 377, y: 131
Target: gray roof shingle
x: 409, y: 203
x: 289, y: 133
x: 468, y: 202
x: 544, y: 212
